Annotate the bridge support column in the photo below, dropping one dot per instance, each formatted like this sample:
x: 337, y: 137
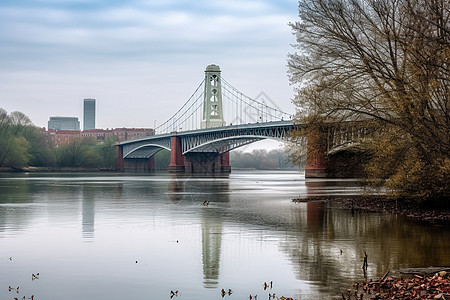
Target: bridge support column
x: 203, y: 163
x: 151, y: 164
x: 119, y: 159
x: 176, y: 157
x: 316, y: 164
x: 225, y: 162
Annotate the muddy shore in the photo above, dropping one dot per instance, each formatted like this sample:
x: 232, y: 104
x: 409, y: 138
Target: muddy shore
x: 422, y: 211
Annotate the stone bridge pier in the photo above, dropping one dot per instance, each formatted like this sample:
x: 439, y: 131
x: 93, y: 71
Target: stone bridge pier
x: 316, y: 160
x: 333, y: 152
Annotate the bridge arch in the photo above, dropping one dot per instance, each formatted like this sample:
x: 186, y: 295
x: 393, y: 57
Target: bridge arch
x: 145, y: 151
x: 226, y: 144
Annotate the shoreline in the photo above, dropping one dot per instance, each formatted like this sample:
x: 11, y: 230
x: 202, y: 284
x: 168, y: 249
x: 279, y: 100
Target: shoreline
x: 377, y: 203
x: 53, y: 169
x: 425, y: 283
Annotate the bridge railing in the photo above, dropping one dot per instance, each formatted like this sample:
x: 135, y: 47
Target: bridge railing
x: 345, y: 134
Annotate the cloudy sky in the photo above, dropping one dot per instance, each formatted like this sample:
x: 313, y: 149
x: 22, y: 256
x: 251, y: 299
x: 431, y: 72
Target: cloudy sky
x: 141, y: 59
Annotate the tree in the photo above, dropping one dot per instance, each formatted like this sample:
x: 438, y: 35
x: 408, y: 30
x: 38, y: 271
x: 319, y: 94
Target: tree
x: 18, y: 156
x: 40, y: 148
x: 162, y: 160
x: 384, y: 62
x: 107, y: 152
x: 13, y: 146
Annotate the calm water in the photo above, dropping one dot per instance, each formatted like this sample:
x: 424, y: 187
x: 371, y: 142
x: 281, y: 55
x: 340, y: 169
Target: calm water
x: 119, y: 236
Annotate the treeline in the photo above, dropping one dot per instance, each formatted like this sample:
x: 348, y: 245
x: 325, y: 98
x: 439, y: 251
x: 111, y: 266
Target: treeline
x: 260, y: 159
x: 22, y: 144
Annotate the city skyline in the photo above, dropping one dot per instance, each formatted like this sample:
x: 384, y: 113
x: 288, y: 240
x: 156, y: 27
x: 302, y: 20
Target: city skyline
x: 134, y: 57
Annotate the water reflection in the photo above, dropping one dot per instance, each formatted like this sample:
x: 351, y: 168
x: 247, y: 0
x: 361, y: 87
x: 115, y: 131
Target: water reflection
x: 88, y: 212
x: 208, y: 193
x: 332, y: 187
x: 315, y: 215
x: 391, y: 242
x: 249, y: 233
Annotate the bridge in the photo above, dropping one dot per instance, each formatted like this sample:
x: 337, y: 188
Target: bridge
x: 205, y: 129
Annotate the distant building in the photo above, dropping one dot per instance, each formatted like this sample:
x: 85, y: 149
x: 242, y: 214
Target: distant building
x: 61, y: 137
x: 89, y: 114
x: 126, y: 134
x: 64, y: 123
x: 122, y: 134
x: 100, y: 135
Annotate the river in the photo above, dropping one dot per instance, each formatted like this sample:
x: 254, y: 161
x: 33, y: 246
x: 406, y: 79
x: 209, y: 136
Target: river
x: 124, y: 236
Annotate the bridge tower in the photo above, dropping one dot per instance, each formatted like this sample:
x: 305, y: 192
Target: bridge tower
x: 212, y: 105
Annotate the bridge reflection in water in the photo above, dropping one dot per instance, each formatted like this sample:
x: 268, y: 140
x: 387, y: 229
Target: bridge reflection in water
x: 212, y: 192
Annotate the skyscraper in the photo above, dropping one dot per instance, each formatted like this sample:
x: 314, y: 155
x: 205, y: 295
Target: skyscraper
x: 89, y: 114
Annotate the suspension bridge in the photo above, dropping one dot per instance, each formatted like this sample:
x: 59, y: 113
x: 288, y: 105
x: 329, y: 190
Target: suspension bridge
x: 216, y: 119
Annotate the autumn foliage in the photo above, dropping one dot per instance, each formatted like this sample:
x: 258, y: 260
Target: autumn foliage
x: 384, y: 62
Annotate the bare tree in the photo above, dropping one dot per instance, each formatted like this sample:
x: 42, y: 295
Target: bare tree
x: 385, y: 61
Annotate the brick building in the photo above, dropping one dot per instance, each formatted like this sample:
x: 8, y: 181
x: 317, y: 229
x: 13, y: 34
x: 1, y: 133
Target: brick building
x: 62, y: 137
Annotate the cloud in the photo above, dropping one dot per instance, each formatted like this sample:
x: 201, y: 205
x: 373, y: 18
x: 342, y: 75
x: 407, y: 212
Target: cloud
x: 65, y: 50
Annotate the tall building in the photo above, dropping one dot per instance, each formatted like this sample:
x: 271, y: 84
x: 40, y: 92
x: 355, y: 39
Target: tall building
x: 89, y: 114
x: 64, y: 123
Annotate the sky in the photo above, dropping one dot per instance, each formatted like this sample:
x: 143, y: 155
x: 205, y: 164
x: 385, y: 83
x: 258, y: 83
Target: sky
x: 140, y: 59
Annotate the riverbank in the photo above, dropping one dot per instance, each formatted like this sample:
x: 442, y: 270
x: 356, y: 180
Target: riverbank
x: 52, y: 169
x: 410, y: 285
x: 383, y: 204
